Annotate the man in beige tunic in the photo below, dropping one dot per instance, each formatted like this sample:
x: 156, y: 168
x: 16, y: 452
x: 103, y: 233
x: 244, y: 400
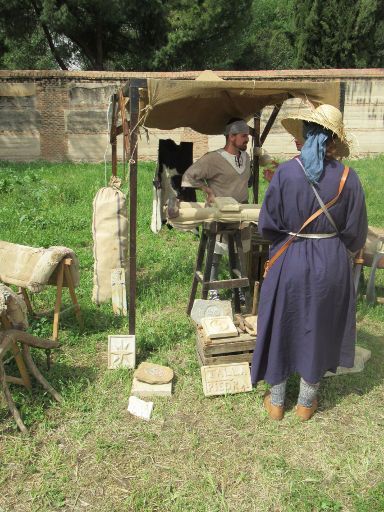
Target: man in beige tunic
x: 223, y: 173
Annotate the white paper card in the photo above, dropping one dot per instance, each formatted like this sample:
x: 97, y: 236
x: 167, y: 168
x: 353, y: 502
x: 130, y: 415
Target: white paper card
x: 140, y: 408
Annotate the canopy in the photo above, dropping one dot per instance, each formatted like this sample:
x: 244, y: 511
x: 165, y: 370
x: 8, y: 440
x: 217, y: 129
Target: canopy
x: 207, y: 103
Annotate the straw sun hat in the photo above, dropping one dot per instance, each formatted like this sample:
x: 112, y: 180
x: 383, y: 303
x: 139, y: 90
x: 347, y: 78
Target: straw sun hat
x: 325, y: 115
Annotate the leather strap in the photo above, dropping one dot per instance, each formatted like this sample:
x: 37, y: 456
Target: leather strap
x: 284, y: 247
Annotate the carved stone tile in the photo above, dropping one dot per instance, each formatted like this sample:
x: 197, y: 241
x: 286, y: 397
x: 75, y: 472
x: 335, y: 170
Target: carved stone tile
x: 203, y: 308
x: 121, y: 351
x: 153, y: 373
x: 223, y: 379
x: 140, y: 408
x: 143, y: 389
x: 219, y: 327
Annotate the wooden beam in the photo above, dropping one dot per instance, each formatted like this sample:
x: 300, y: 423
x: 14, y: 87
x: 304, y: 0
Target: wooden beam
x: 269, y: 124
x: 134, y: 118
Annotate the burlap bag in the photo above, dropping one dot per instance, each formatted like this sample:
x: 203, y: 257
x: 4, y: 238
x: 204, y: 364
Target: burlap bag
x: 110, y: 239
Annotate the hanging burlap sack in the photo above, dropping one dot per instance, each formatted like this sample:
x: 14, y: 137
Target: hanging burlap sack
x: 110, y: 238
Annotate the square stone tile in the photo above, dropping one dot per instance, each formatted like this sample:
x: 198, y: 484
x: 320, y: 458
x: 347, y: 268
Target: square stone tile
x: 223, y: 379
x: 203, y: 308
x: 121, y: 351
x: 219, y: 327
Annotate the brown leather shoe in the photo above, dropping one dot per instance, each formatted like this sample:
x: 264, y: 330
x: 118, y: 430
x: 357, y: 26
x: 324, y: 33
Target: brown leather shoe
x: 305, y: 413
x: 275, y: 412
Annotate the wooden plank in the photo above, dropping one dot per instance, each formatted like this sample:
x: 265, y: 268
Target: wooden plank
x: 226, y: 283
x: 243, y: 343
x: 241, y: 357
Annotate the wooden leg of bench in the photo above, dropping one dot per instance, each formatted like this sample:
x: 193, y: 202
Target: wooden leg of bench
x: 25, y: 296
x: 71, y: 288
x: 21, y: 365
x: 38, y: 376
x: 17, y: 354
x: 8, y: 398
x: 59, y: 291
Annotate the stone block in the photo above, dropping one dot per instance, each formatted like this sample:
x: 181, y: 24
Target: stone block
x: 91, y: 94
x: 140, y: 408
x: 223, y: 379
x: 90, y: 147
x: 207, y: 308
x: 121, y: 351
x: 362, y: 355
x: 143, y: 389
x: 86, y: 121
x: 22, y: 147
x: 19, y: 102
x: 17, y: 89
x: 153, y: 373
x: 19, y: 120
x: 219, y: 327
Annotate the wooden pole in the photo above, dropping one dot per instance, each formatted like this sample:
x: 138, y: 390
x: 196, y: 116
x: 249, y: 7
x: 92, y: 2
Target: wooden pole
x: 113, y: 135
x: 134, y: 118
x: 256, y: 145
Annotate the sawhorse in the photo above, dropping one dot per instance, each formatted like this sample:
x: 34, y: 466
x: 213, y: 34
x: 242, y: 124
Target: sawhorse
x: 232, y: 233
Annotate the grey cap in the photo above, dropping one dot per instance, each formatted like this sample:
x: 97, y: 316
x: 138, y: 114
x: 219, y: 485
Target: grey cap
x: 236, y: 127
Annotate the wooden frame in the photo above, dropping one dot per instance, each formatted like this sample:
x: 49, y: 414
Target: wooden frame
x: 129, y: 130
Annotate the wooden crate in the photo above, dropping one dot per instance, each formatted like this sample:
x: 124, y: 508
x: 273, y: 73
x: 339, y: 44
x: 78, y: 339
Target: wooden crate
x: 238, y: 349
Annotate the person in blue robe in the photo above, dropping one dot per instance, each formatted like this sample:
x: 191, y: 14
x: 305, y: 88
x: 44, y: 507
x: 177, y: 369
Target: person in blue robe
x: 307, y: 317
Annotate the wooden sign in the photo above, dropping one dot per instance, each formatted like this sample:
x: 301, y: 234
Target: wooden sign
x: 121, y: 351
x: 224, y: 379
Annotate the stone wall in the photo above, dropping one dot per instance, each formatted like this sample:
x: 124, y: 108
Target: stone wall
x: 60, y: 115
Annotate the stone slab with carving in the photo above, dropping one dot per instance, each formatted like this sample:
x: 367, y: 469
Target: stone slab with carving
x: 143, y: 389
x: 153, y: 373
x: 362, y: 355
x: 140, y: 408
x: 219, y: 327
x: 121, y: 351
x: 223, y: 379
x: 203, y: 308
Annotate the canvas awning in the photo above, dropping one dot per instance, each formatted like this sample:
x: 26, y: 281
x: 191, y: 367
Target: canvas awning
x: 207, y: 103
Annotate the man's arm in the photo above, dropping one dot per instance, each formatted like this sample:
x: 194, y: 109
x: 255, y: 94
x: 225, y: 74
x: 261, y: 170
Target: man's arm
x: 196, y: 177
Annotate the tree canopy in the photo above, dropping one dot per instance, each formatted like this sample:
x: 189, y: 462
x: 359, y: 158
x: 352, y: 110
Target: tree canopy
x: 190, y: 34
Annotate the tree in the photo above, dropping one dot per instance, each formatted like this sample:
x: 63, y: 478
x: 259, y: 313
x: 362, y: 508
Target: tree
x: 204, y: 34
x: 339, y: 34
x: 96, y: 34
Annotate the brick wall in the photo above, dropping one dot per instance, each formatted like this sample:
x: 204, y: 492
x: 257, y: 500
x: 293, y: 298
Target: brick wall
x: 62, y: 115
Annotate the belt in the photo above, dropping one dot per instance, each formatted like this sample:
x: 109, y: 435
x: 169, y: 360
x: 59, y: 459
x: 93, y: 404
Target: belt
x: 313, y: 235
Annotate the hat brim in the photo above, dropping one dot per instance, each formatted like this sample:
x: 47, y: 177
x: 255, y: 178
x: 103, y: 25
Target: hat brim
x: 294, y: 126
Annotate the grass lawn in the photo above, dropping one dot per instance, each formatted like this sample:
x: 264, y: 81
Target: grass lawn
x: 196, y: 454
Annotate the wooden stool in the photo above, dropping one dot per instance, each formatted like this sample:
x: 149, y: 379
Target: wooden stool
x: 63, y: 279
x: 10, y: 340
x: 210, y: 231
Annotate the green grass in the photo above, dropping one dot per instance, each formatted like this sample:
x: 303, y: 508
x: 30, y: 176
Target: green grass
x: 196, y: 454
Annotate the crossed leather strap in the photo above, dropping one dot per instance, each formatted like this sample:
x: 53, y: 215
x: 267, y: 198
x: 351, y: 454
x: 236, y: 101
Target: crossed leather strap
x: 284, y: 247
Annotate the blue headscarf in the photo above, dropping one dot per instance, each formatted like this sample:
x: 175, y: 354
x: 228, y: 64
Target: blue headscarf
x: 313, y: 150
